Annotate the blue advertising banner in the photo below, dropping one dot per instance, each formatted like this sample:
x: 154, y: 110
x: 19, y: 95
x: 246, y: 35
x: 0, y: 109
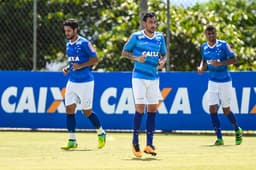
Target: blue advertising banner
x: 36, y: 100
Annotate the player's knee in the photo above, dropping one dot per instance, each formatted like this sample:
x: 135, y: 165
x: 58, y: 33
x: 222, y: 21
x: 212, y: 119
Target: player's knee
x: 213, y: 109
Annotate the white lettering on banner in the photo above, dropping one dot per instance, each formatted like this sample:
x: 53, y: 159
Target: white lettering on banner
x: 104, y: 100
x: 15, y: 100
x: 181, y: 102
x: 27, y: 101
x: 42, y: 100
x: 162, y: 108
x: 5, y: 99
x: 245, y: 100
x: 125, y: 103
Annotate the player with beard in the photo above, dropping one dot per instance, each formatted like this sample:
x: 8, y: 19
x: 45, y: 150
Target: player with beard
x: 80, y: 86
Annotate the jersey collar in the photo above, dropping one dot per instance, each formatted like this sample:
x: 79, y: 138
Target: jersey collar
x: 217, y: 42
x: 148, y: 36
x: 71, y: 43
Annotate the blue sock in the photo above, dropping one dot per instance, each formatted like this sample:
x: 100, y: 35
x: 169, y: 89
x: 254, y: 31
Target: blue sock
x: 136, y: 127
x: 94, y: 120
x: 71, y: 123
x: 151, y: 116
x: 216, y: 125
x: 232, y: 119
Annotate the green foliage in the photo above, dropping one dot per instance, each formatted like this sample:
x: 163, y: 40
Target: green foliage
x: 108, y: 25
x: 235, y: 23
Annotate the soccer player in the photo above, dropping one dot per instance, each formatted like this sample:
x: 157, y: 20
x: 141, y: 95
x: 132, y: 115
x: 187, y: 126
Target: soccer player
x: 144, y: 48
x: 216, y: 56
x: 80, y: 86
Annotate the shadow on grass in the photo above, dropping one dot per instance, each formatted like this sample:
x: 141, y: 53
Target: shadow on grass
x: 219, y: 146
x: 143, y: 159
x: 78, y: 150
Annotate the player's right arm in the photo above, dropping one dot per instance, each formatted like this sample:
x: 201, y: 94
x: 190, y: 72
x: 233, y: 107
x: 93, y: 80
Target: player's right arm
x: 65, y: 70
x: 130, y: 56
x: 201, y: 67
x: 203, y: 64
x: 128, y: 48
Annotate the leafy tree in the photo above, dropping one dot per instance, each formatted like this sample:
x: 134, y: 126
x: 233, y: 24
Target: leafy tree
x: 108, y: 24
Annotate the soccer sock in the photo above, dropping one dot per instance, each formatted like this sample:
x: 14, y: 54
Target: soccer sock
x: 100, y: 131
x: 232, y: 119
x: 136, y: 127
x: 216, y: 125
x: 94, y: 120
x: 151, y: 116
x: 71, y: 126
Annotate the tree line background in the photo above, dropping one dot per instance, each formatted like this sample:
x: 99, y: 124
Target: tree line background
x: 108, y: 25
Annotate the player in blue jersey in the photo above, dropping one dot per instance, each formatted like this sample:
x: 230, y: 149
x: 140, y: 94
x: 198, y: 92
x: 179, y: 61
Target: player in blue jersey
x: 80, y: 86
x: 148, y: 51
x: 216, y: 56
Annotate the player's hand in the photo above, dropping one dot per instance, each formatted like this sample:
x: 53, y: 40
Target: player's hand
x: 76, y: 66
x: 200, y: 70
x: 215, y: 63
x: 65, y: 70
x: 161, y: 63
x: 141, y: 59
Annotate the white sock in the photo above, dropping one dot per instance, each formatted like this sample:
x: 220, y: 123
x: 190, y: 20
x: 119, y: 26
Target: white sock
x: 100, y: 131
x: 72, y: 136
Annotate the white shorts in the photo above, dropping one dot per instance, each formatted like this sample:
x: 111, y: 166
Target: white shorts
x: 80, y: 93
x: 219, y: 93
x: 146, y: 91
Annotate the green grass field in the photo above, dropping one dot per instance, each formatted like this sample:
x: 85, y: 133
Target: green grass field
x: 41, y: 151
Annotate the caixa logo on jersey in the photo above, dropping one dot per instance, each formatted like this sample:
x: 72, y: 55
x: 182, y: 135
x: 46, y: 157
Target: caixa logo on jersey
x: 33, y: 100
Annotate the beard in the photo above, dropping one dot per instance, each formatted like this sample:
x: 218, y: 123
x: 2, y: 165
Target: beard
x: 151, y: 30
x: 71, y: 37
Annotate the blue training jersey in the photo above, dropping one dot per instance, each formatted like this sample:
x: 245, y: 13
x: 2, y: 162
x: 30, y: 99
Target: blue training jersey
x: 221, y: 51
x: 79, y: 52
x: 154, y: 47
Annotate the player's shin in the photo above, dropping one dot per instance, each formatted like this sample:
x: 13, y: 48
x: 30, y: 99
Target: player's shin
x: 150, y: 127
x: 136, y: 127
x: 71, y: 125
x: 216, y: 125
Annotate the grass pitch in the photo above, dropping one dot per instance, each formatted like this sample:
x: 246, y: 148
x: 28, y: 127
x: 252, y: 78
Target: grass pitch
x: 41, y: 151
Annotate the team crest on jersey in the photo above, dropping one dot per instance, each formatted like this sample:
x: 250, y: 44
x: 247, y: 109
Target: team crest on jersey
x: 91, y: 47
x: 141, y: 37
x: 158, y: 38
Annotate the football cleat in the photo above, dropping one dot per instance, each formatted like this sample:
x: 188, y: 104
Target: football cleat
x: 72, y: 144
x: 136, y: 150
x: 101, y: 140
x: 239, y: 134
x: 150, y: 150
x: 219, y: 142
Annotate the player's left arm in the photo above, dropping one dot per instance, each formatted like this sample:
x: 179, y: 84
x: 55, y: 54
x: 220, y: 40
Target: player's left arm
x: 93, y: 59
x: 161, y: 62
x: 229, y: 61
x: 163, y: 58
x: 231, y: 57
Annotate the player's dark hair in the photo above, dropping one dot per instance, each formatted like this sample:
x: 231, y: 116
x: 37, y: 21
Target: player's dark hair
x: 210, y: 28
x: 73, y: 23
x: 148, y: 15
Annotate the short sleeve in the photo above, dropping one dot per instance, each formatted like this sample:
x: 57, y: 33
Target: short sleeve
x: 130, y: 44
